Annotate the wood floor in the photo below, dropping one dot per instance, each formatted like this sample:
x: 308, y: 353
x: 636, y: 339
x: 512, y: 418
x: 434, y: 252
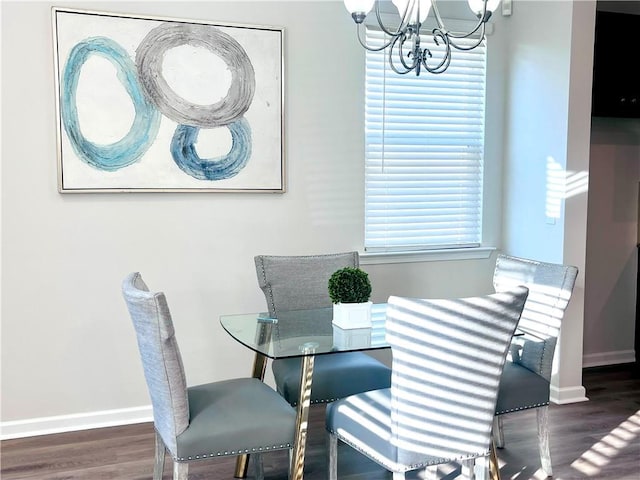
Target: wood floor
x: 598, y: 439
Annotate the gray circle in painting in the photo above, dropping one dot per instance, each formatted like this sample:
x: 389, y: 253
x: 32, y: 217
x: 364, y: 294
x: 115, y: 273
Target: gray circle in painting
x: 149, y: 58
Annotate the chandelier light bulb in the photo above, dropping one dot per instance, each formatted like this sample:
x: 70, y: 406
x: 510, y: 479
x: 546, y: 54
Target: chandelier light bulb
x: 477, y: 6
x: 425, y: 6
x: 358, y: 6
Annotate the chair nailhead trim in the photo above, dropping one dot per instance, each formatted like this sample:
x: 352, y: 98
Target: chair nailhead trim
x: 537, y: 405
x: 315, y: 402
x: 405, y: 468
x: 235, y: 452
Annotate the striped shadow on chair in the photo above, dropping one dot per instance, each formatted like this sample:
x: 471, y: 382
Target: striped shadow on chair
x: 448, y: 356
x: 526, y: 378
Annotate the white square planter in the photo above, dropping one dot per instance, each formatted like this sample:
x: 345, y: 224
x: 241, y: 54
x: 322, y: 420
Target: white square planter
x: 352, y: 315
x: 345, y: 339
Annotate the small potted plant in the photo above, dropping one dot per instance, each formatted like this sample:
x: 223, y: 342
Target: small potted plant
x: 350, y: 290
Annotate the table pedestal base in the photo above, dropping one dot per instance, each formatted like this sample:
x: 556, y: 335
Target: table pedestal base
x: 302, y: 416
x: 302, y: 419
x: 494, y: 466
x: 259, y: 369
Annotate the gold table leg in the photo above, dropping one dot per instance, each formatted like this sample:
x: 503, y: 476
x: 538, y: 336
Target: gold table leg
x: 242, y: 465
x: 494, y: 466
x: 259, y: 368
x: 302, y: 417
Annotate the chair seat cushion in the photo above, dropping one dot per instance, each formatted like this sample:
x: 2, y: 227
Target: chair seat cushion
x: 235, y: 416
x: 363, y: 421
x: 335, y: 376
x: 520, y: 389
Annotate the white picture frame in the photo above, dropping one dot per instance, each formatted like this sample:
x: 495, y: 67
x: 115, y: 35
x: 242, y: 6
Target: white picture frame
x: 153, y: 104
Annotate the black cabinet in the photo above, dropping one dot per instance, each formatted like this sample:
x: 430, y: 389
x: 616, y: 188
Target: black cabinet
x: 616, y: 76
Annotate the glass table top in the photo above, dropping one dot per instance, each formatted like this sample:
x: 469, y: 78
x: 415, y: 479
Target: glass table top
x: 295, y: 331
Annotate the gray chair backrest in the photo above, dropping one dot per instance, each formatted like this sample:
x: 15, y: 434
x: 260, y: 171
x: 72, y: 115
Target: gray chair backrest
x: 550, y: 286
x: 448, y: 357
x: 299, y: 282
x: 161, y: 360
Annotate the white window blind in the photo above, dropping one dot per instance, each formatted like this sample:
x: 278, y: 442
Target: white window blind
x: 424, y: 153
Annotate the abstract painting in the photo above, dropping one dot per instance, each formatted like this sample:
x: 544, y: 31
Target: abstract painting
x: 149, y: 104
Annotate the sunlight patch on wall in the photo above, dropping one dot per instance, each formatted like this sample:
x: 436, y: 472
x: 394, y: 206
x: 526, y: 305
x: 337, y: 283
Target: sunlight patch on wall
x: 562, y: 184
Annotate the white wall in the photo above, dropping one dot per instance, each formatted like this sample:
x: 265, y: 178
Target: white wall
x: 549, y: 118
x: 68, y: 348
x: 536, y: 127
x: 547, y: 143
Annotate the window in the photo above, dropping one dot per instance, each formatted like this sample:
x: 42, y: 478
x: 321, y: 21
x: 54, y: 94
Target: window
x: 424, y: 153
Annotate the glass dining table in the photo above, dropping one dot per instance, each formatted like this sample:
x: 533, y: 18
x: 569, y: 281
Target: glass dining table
x: 305, y: 334
x: 300, y: 333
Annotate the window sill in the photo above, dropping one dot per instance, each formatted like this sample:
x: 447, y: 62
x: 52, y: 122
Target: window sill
x: 380, y: 258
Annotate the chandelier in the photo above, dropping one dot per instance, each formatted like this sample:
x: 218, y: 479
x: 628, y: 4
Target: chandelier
x: 405, y: 42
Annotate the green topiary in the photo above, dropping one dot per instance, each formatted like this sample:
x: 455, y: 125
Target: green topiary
x: 349, y: 285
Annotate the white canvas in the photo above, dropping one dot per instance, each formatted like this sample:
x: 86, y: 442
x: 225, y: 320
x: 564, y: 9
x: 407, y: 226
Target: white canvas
x: 155, y: 104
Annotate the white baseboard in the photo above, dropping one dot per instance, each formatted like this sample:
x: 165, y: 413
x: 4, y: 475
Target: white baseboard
x: 608, y: 358
x: 575, y: 394
x: 126, y: 416
x: 565, y: 395
x: 70, y: 423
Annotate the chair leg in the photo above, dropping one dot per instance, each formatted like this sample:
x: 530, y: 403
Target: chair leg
x: 482, y: 468
x: 258, y: 468
x: 468, y: 470
x: 498, y: 432
x: 543, y: 440
x: 332, y: 465
x: 180, y: 471
x: 158, y: 465
x: 398, y: 476
x: 431, y: 473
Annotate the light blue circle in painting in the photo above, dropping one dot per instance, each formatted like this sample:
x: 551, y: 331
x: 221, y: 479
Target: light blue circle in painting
x: 184, y: 153
x: 146, y: 122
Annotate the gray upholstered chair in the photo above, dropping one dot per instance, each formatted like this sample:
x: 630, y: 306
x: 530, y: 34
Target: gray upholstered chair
x: 301, y: 282
x: 448, y: 356
x: 206, y: 421
x: 526, y: 376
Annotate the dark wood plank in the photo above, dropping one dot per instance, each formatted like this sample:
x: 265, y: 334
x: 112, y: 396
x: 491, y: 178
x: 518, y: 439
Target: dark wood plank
x: 598, y: 439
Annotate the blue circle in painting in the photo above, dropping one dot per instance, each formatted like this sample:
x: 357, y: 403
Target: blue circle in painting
x: 145, y: 125
x: 184, y: 152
